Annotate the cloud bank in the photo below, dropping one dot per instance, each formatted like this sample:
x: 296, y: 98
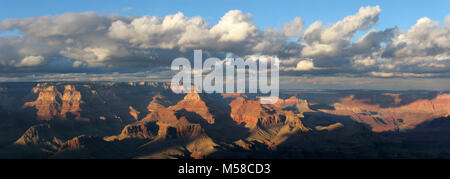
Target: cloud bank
x: 86, y: 41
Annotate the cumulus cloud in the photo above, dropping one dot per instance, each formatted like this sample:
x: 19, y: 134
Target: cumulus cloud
x: 299, y: 65
x: 305, y: 65
x: 421, y: 51
x: 329, y: 41
x: 154, y: 32
x: 96, y: 40
x: 13, y: 51
x: 295, y: 28
x: 234, y: 26
x: 235, y: 30
x: 333, y: 49
x: 424, y: 48
x: 90, y: 40
x: 31, y: 61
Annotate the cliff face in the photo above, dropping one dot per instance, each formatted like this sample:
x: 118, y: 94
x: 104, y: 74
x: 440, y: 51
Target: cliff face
x: 52, y: 104
x: 161, y: 123
x: 71, y: 100
x: 248, y: 112
x: 80, y: 142
x: 163, y: 126
x: 393, y: 118
x: 269, y: 124
x: 46, y: 104
x: 140, y: 130
x: 40, y: 137
x: 145, y: 120
x: 134, y: 113
x: 290, y: 102
x: 37, y: 135
x: 184, y: 129
x: 195, y: 103
x: 253, y: 113
x: 300, y: 105
x: 84, y: 146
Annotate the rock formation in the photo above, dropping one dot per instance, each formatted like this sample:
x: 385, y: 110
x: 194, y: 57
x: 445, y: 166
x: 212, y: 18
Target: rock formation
x: 134, y: 113
x: 161, y: 123
x: 40, y: 134
x: 195, y: 103
x: 393, y: 118
x: 253, y: 113
x: 52, y: 104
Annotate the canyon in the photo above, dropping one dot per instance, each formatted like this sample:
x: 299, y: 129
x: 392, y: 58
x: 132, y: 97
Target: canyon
x: 148, y: 120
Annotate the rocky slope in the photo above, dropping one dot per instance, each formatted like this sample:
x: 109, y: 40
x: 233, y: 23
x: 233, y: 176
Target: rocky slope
x: 393, y: 118
x: 52, y: 104
x: 268, y: 124
x: 42, y: 135
x: 146, y: 120
x: 163, y: 125
x: 195, y: 103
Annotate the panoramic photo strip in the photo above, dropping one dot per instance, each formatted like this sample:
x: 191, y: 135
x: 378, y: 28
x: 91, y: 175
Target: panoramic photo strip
x: 234, y: 88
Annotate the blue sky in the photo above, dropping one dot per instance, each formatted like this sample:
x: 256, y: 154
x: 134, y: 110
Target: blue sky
x: 401, y: 13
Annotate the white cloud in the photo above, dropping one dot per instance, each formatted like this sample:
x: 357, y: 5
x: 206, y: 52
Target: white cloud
x: 330, y: 41
x: 93, y: 40
x: 368, y: 61
x: 31, y: 61
x: 305, y: 65
x: 234, y: 26
x: 179, y: 31
x: 424, y: 48
x: 299, y: 65
x: 382, y: 74
x: 295, y: 28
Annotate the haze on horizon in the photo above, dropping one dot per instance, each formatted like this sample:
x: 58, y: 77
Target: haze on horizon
x: 354, y: 47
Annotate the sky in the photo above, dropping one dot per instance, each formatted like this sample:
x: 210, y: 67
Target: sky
x: 272, y: 14
x: 332, y: 44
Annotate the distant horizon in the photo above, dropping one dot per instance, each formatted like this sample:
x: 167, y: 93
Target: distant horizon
x: 282, y: 88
